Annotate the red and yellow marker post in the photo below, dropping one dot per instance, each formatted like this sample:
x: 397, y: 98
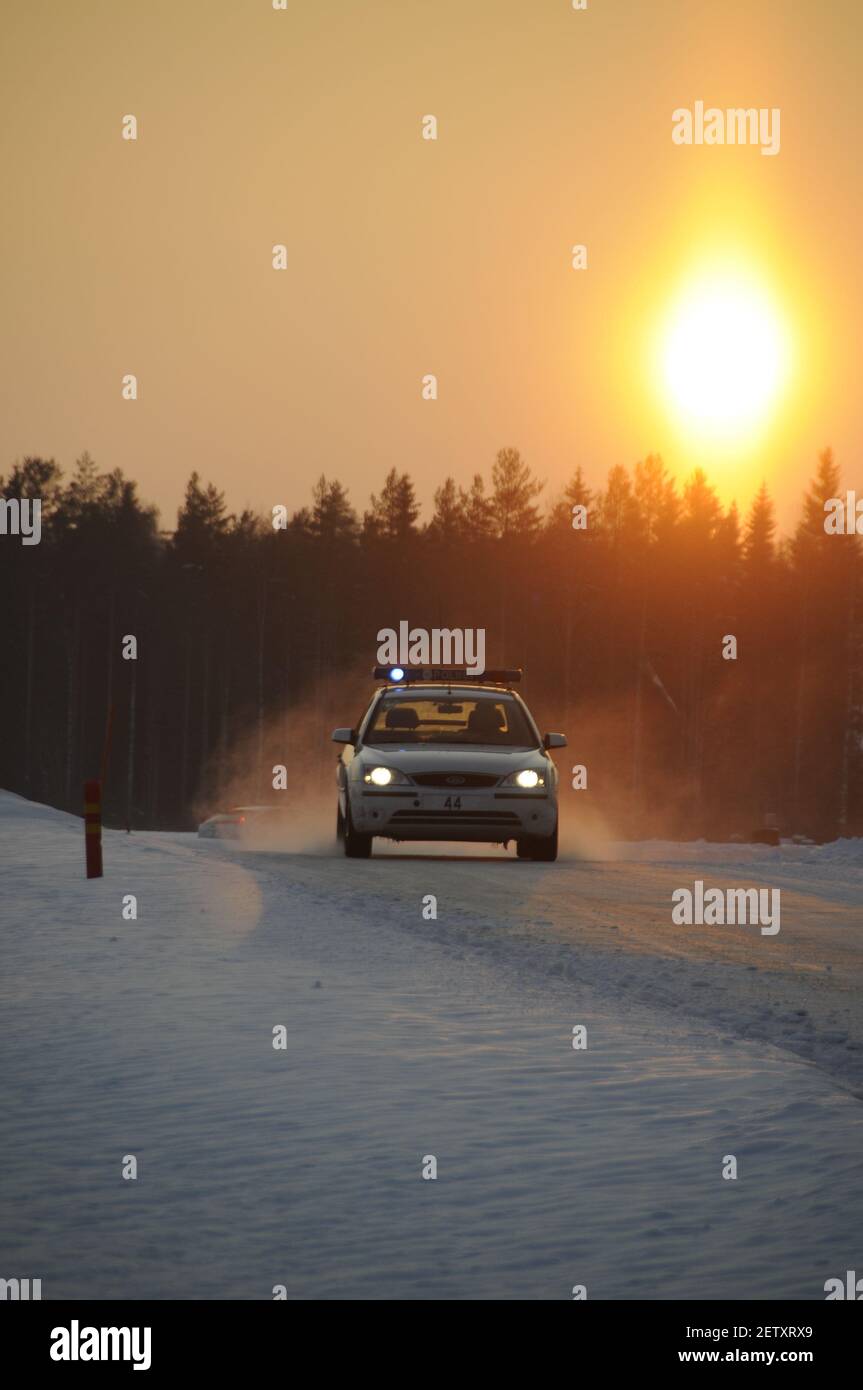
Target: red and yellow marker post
x: 93, y: 827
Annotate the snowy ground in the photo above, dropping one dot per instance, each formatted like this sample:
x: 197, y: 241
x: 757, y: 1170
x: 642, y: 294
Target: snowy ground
x: 407, y: 1038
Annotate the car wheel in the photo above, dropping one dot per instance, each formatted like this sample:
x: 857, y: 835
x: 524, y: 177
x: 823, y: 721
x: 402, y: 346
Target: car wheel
x: 356, y: 846
x: 542, y: 849
x: 340, y: 825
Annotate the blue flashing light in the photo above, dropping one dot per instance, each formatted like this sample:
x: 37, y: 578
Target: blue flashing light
x: 397, y: 674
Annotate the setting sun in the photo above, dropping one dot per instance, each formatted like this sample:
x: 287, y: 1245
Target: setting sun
x: 723, y: 356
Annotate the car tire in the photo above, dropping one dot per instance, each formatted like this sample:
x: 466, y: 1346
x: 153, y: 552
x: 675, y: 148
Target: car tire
x: 541, y: 849
x: 340, y: 825
x: 356, y: 846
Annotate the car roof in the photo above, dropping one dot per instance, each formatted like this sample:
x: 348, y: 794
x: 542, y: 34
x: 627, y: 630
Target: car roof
x: 445, y: 690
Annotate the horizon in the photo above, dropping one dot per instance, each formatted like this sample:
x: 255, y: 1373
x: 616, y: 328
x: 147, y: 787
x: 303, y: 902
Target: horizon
x: 546, y: 503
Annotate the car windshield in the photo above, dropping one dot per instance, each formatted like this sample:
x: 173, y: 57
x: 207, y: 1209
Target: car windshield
x: 460, y: 719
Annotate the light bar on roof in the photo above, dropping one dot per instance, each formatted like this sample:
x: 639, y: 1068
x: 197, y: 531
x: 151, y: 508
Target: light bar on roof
x: 445, y: 675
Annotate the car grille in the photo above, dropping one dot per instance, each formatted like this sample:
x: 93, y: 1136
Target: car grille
x: 465, y: 779
x: 489, y: 818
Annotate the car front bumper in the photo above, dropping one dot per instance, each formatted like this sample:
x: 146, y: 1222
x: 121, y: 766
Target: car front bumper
x: 485, y: 816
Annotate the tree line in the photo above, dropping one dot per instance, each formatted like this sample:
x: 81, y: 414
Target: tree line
x: 256, y: 635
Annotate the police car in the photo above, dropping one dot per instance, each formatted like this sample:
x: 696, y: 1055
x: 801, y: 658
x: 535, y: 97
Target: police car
x: 441, y: 755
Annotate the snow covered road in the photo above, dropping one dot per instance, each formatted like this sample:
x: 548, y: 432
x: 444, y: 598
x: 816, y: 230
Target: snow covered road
x: 406, y: 1038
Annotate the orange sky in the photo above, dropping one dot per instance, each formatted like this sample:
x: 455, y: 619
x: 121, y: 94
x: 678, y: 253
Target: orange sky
x: 408, y: 256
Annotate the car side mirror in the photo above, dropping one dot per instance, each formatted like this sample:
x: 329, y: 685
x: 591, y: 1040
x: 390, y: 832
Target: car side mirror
x: 344, y: 736
x: 554, y: 741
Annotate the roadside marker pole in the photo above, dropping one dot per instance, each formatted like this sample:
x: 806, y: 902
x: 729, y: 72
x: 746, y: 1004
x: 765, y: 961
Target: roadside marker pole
x: 93, y: 827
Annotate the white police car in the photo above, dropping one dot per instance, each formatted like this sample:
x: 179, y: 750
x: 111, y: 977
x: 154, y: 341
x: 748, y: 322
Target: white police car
x: 441, y: 755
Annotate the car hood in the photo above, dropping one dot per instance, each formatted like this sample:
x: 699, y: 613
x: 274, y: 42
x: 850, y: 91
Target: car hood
x: 414, y: 758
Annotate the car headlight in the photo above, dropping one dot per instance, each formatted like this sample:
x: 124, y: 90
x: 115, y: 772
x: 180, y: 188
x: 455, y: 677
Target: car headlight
x: 527, y: 779
x: 383, y: 776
